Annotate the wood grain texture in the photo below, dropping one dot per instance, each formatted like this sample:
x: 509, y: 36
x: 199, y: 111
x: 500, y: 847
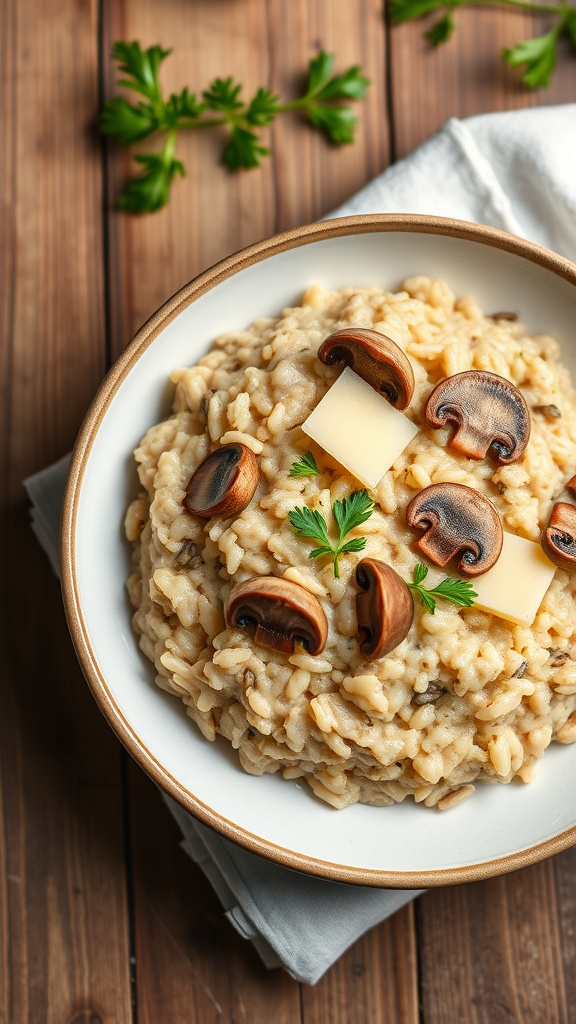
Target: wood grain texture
x: 492, y: 951
x: 64, y: 930
x: 374, y: 982
x: 213, y: 212
x: 465, y: 76
x: 191, y: 966
x: 497, y: 951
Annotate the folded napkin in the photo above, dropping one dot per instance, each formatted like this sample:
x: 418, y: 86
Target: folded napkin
x: 513, y: 171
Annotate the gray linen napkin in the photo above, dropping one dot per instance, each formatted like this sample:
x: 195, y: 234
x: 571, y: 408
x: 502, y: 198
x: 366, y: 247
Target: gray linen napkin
x: 513, y: 171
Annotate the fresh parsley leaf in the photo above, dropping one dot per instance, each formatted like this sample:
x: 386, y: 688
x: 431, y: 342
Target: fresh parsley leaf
x: 427, y: 600
x: 351, y: 85
x: 149, y: 192
x: 349, y: 513
x: 457, y: 591
x: 129, y: 123
x: 441, y: 30
x: 319, y: 71
x: 262, y: 108
x: 356, y: 544
x: 337, y: 122
x: 452, y: 589
x: 223, y: 95
x: 539, y: 56
x: 309, y: 523
x: 244, y: 149
x: 184, y: 104
x: 223, y: 104
x: 408, y: 10
x: 354, y: 510
x: 420, y: 573
x: 142, y: 68
x: 306, y: 466
x: 326, y: 549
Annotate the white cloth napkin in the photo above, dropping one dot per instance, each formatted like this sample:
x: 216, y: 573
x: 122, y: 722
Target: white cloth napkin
x: 513, y: 171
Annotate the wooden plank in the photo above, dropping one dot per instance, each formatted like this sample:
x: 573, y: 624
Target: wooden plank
x: 489, y: 951
x: 313, y: 177
x: 466, y: 76
x: 374, y: 982
x: 564, y: 868
x: 191, y: 966
x: 492, y: 951
x: 213, y: 213
x: 63, y: 924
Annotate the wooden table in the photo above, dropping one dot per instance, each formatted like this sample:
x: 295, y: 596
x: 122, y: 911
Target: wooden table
x: 102, y: 917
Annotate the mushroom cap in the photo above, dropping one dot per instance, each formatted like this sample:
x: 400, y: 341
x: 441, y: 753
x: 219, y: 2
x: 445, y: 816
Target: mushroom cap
x: 224, y: 483
x: 281, y: 611
x: 559, y: 537
x: 384, y: 608
x: 375, y: 358
x: 488, y: 410
x: 457, y: 521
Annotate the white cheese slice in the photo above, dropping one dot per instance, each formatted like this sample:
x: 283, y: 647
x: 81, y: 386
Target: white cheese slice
x: 514, y: 588
x: 359, y: 428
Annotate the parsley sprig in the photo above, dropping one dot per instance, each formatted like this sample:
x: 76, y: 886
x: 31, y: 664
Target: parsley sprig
x: 220, y: 105
x: 455, y: 590
x: 306, y: 466
x: 536, y: 56
x: 349, y: 513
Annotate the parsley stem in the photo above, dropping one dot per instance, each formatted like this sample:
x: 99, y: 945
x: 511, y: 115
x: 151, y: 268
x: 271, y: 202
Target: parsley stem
x: 169, y: 147
x: 213, y: 122
x: 304, y: 101
x: 222, y: 106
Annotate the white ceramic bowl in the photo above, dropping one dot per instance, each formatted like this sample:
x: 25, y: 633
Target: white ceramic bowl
x: 501, y: 827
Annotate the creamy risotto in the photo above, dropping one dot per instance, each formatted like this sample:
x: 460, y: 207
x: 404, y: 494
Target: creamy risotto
x: 467, y: 696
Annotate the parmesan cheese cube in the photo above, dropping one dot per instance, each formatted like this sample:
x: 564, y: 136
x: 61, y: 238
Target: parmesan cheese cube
x: 515, y: 586
x: 359, y: 428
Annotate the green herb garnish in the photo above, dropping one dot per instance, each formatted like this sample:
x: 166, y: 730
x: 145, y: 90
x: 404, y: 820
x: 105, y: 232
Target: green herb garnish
x: 536, y: 56
x: 455, y: 590
x: 220, y: 105
x: 349, y: 513
x: 306, y: 466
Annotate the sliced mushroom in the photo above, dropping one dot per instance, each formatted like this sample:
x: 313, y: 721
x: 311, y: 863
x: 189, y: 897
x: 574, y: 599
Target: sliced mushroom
x: 489, y: 411
x: 457, y: 521
x: 281, y: 613
x: 430, y: 695
x: 504, y: 315
x: 559, y: 537
x: 558, y: 657
x: 551, y: 412
x: 224, y: 483
x: 375, y: 358
x: 384, y: 608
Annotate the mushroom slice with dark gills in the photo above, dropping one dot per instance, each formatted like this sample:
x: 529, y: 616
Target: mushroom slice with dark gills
x: 457, y: 520
x: 375, y: 358
x: 280, y: 612
x: 559, y: 537
x: 489, y: 412
x: 384, y: 608
x: 224, y: 483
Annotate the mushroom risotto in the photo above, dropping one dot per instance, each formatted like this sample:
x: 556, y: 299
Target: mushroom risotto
x: 373, y: 630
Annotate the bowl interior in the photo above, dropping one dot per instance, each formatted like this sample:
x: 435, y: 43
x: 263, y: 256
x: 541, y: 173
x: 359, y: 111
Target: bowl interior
x: 399, y: 845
